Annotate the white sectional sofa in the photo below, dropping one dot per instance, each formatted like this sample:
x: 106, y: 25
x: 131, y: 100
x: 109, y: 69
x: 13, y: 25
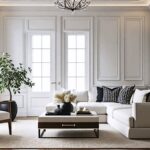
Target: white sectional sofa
x: 132, y: 120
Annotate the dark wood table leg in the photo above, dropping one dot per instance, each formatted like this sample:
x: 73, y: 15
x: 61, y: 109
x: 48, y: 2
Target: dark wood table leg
x: 10, y: 127
x: 96, y: 132
x: 41, y: 133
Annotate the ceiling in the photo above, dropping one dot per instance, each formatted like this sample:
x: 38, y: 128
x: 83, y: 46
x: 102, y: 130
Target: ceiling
x: 93, y: 3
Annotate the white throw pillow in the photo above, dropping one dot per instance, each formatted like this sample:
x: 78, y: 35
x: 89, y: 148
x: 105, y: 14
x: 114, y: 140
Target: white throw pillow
x: 82, y: 96
x: 140, y: 96
x: 93, y: 94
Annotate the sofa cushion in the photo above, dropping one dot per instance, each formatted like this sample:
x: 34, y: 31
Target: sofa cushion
x: 82, y: 96
x: 122, y: 115
x: 110, y: 95
x: 116, y: 106
x: 4, y: 115
x: 126, y: 94
x: 99, y: 108
x: 51, y: 106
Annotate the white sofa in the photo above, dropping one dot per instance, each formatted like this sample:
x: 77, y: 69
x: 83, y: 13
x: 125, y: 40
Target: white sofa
x: 132, y: 120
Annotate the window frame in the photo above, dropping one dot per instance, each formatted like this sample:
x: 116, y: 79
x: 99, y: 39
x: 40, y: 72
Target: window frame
x: 52, y: 57
x: 87, y: 65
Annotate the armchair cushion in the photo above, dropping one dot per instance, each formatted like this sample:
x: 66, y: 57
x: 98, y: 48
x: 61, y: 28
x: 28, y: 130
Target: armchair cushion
x: 4, y: 115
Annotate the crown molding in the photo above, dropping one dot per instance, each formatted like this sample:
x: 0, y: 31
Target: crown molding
x: 94, y: 3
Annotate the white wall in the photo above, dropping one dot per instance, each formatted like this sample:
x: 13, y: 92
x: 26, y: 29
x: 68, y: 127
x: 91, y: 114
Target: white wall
x: 119, y: 43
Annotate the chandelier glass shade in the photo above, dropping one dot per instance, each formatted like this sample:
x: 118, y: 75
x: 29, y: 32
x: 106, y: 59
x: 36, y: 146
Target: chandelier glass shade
x: 72, y: 4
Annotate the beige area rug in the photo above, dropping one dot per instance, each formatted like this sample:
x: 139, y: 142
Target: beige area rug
x: 25, y: 135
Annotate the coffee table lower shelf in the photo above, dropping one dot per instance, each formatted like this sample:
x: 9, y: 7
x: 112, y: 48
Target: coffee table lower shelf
x: 42, y: 126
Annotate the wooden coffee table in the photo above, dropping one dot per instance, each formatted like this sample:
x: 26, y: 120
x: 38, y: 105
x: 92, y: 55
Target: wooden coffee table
x: 68, y: 122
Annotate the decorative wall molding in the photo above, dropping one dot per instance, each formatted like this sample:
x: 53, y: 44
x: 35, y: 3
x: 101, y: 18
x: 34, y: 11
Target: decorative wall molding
x: 41, y: 23
x: 14, y: 38
x: 108, y: 48
x: 72, y: 24
x: 36, y: 102
x: 133, y: 48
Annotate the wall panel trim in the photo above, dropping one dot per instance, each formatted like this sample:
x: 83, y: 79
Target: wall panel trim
x: 99, y: 77
x: 140, y: 20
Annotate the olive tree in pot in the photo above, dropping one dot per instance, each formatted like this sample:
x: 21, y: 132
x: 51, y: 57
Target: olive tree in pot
x: 12, y: 78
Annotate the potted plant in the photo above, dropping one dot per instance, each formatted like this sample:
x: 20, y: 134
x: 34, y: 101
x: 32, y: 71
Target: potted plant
x: 12, y: 78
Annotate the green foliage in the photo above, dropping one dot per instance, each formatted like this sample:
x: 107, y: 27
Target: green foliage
x: 11, y: 77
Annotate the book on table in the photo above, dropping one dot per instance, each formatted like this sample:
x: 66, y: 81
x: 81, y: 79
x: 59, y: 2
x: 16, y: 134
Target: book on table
x: 86, y: 112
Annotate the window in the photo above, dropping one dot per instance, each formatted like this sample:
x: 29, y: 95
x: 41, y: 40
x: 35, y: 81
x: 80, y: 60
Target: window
x: 76, y: 61
x: 41, y: 60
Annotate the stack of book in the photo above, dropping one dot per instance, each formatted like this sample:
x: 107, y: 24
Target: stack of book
x: 83, y: 111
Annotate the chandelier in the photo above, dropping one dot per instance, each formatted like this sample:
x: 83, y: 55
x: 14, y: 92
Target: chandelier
x: 72, y: 4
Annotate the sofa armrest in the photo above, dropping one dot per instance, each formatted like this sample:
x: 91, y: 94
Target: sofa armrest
x: 141, y: 114
x: 131, y: 122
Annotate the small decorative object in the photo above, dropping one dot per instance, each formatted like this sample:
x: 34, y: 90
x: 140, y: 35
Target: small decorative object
x: 67, y: 108
x: 12, y: 78
x: 72, y: 4
x: 66, y: 98
x: 83, y: 110
x: 58, y: 110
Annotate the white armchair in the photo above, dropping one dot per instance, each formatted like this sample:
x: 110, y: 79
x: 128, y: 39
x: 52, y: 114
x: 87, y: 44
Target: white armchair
x: 5, y: 118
